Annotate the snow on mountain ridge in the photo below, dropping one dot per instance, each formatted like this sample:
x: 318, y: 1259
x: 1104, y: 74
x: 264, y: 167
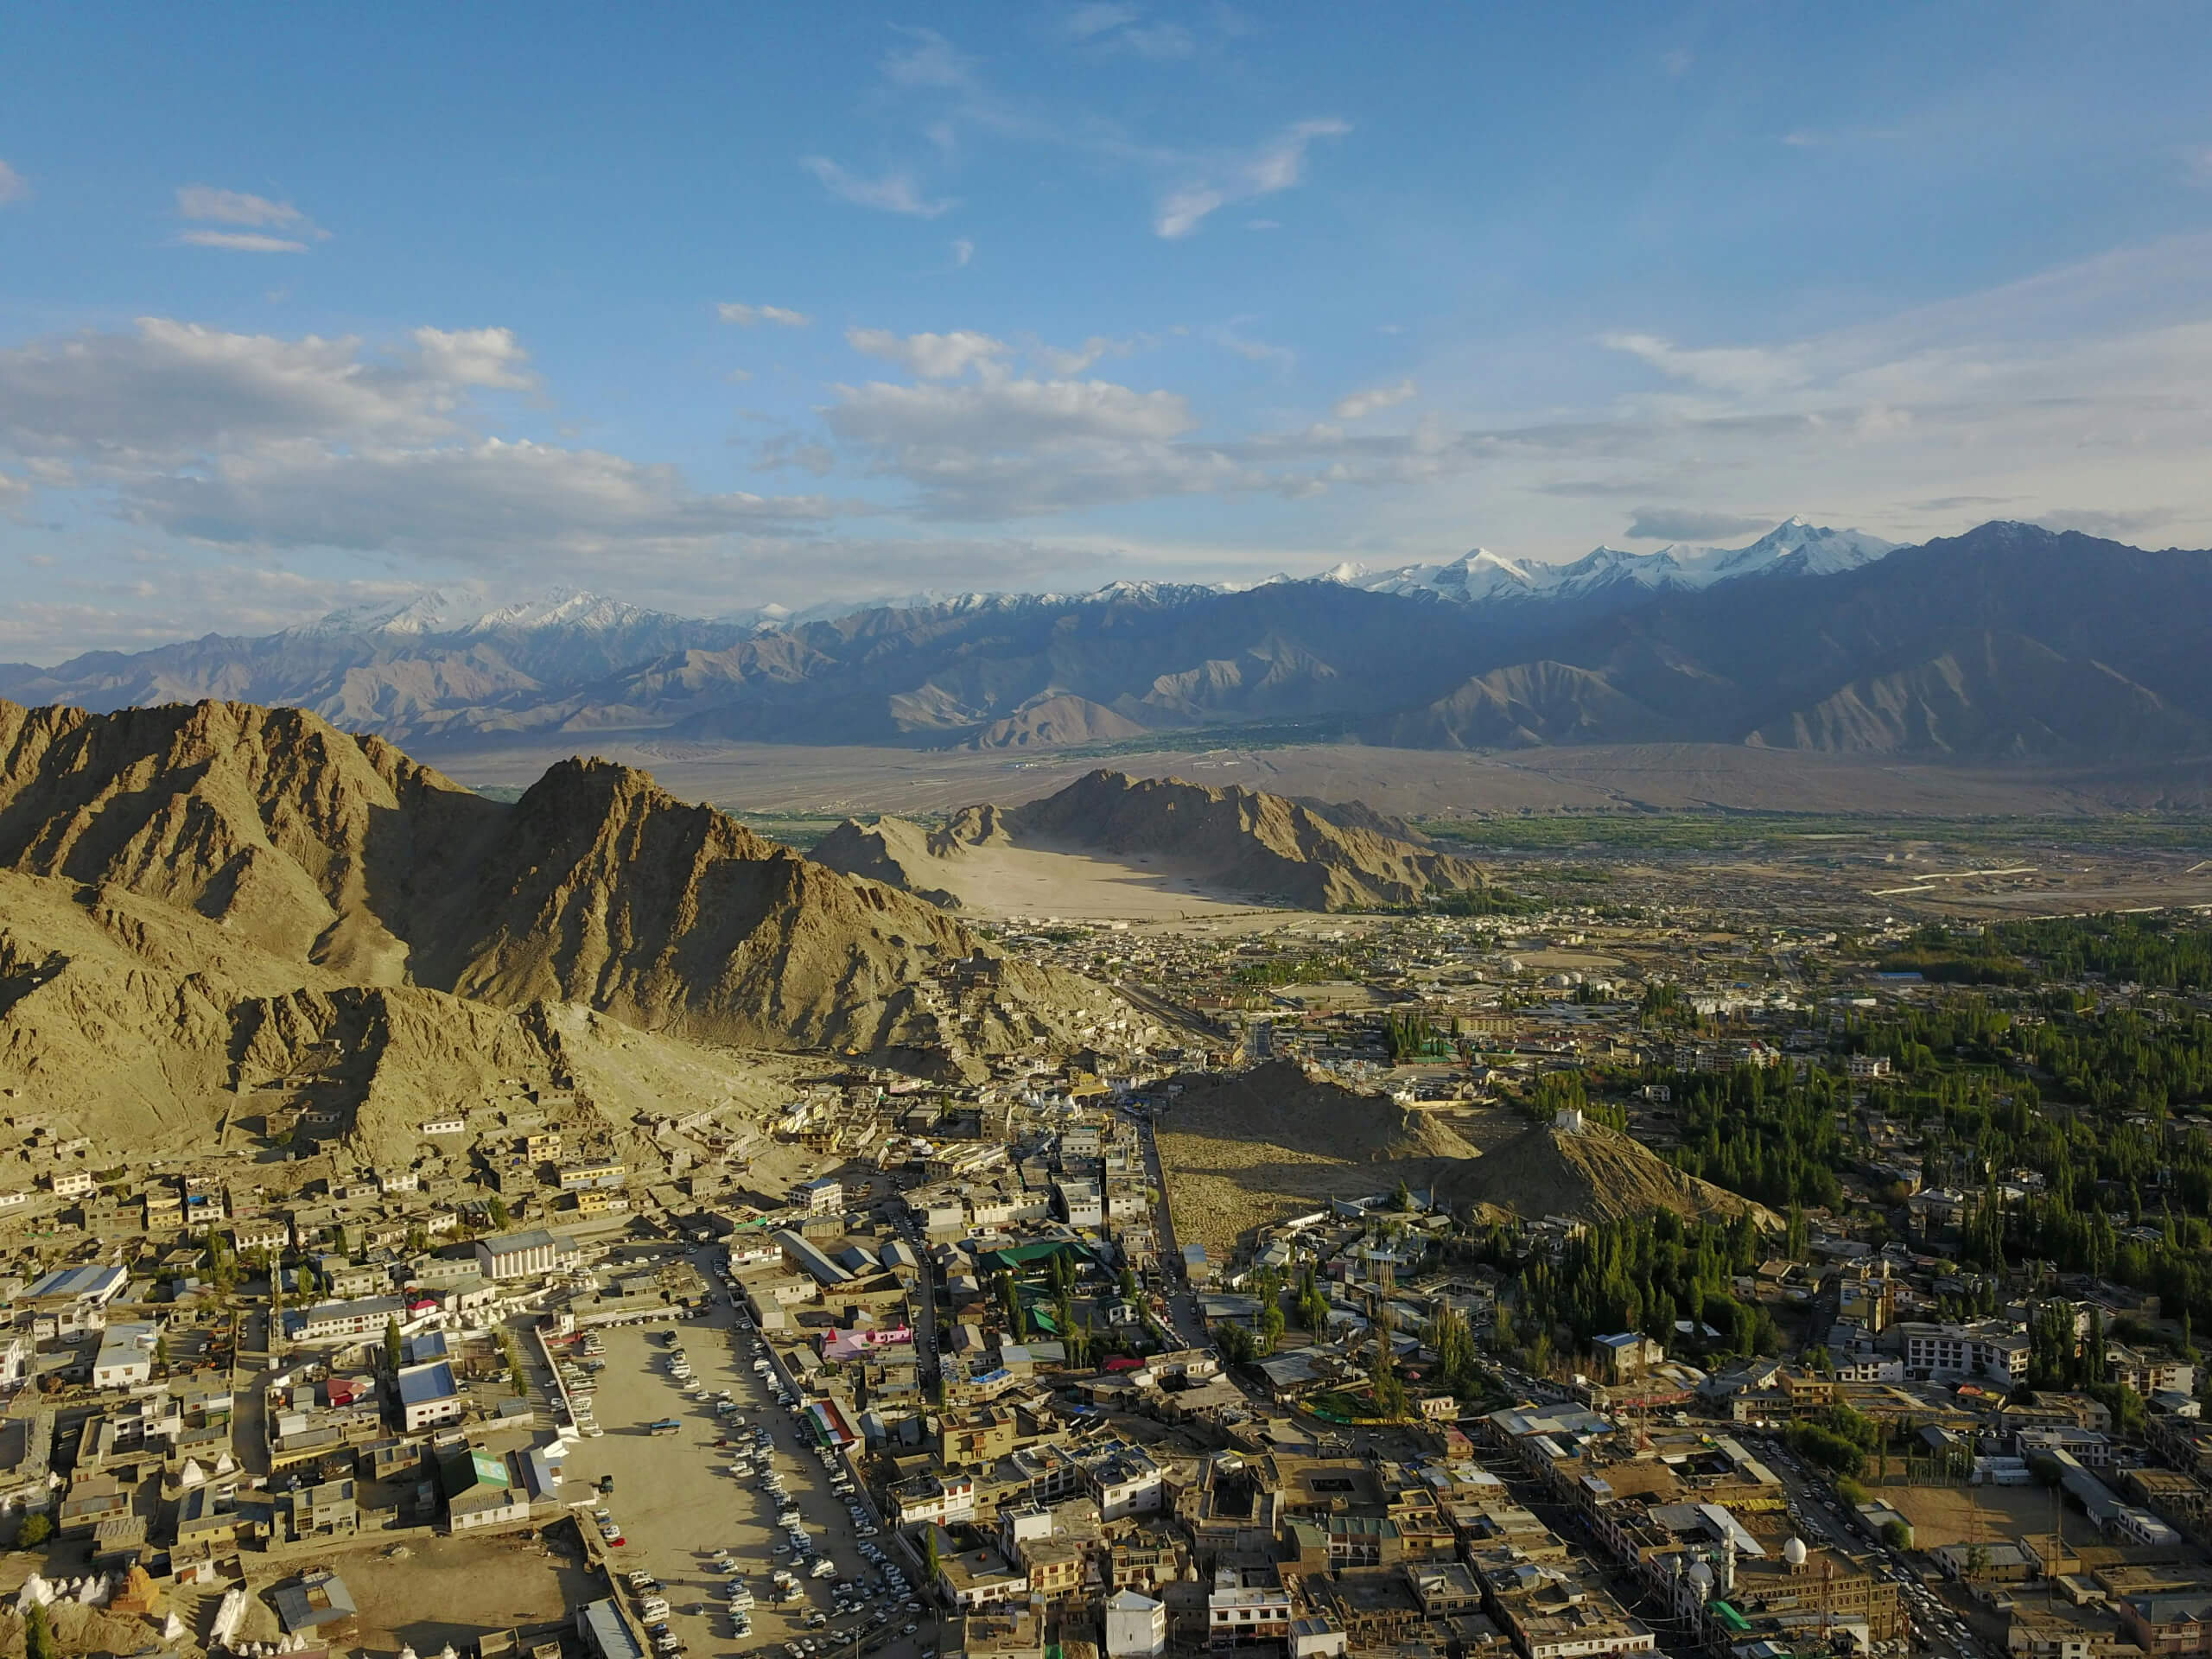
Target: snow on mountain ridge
x: 1791, y: 548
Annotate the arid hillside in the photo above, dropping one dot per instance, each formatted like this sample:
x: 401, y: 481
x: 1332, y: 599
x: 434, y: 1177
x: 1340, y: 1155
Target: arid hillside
x: 1308, y: 854
x: 184, y: 883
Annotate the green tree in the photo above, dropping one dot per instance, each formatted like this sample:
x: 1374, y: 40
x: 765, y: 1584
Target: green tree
x: 1896, y: 1534
x: 1237, y: 1343
x: 497, y: 1209
x: 38, y: 1632
x: 930, y: 1560
x: 161, y: 1352
x: 35, y: 1530
x: 1312, y: 1304
x: 392, y: 1348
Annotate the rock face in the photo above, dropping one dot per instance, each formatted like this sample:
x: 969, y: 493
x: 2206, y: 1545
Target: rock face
x: 209, y: 881
x: 1306, y: 854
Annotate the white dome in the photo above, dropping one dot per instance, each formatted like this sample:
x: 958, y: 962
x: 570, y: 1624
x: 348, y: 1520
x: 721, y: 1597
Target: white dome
x: 1701, y: 1574
x: 1794, y: 1552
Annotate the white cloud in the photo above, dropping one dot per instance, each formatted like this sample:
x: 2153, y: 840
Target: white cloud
x: 14, y: 187
x: 1020, y: 414
x: 894, y: 192
x: 1677, y: 62
x: 478, y: 500
x: 963, y: 251
x: 288, y: 443
x: 746, y: 316
x: 1276, y: 166
x: 172, y: 390
x: 473, y: 357
x: 929, y: 356
x: 241, y: 242
x: 1359, y: 404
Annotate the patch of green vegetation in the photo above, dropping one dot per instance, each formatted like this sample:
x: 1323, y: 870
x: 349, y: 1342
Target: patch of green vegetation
x: 1846, y: 834
x: 800, y: 831
x: 1199, y: 740
x: 505, y: 794
x: 1311, y: 969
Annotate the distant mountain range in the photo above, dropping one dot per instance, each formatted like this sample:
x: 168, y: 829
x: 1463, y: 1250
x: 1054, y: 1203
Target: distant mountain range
x: 2010, y: 643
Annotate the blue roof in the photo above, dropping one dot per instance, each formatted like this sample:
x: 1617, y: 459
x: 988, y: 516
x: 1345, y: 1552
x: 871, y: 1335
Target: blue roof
x: 420, y: 1382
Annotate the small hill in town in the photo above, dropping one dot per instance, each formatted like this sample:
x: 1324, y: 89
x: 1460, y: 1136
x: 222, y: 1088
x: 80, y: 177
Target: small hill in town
x: 1241, y: 1151
x: 1238, y: 1151
x: 197, y: 895
x: 1311, y: 855
x: 1278, y: 1106
x: 1594, y: 1173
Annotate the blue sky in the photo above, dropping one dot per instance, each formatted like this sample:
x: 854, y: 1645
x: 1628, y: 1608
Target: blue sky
x: 706, y: 306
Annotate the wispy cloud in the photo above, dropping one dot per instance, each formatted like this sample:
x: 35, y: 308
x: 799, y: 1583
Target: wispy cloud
x: 963, y: 251
x: 1122, y: 29
x: 1688, y: 523
x: 14, y: 187
x: 1226, y: 336
x: 748, y: 316
x: 242, y: 242
x: 1359, y: 404
x: 267, y: 226
x: 1276, y: 166
x: 893, y: 193
x: 1727, y: 368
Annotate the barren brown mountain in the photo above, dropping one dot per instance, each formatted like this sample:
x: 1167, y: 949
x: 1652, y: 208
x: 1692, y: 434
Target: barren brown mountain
x: 1311, y: 854
x: 185, y: 883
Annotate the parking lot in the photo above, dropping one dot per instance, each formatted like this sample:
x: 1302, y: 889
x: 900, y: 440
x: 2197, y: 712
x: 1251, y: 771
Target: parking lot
x: 677, y: 1505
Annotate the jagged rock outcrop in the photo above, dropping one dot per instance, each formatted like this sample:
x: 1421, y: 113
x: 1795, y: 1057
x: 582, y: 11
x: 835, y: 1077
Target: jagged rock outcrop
x: 1311, y: 854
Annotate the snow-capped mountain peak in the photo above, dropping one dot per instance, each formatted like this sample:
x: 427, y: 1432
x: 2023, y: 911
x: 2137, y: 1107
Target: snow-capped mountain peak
x: 1791, y: 548
x: 560, y: 608
x: 429, y: 612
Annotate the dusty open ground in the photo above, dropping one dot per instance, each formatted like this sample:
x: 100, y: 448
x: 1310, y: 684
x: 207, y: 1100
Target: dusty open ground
x: 1959, y: 1514
x: 1025, y: 882
x: 455, y: 1589
x: 676, y: 1506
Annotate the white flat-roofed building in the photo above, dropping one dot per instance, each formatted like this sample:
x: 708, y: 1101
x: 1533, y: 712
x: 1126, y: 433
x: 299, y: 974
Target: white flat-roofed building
x: 529, y: 1254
